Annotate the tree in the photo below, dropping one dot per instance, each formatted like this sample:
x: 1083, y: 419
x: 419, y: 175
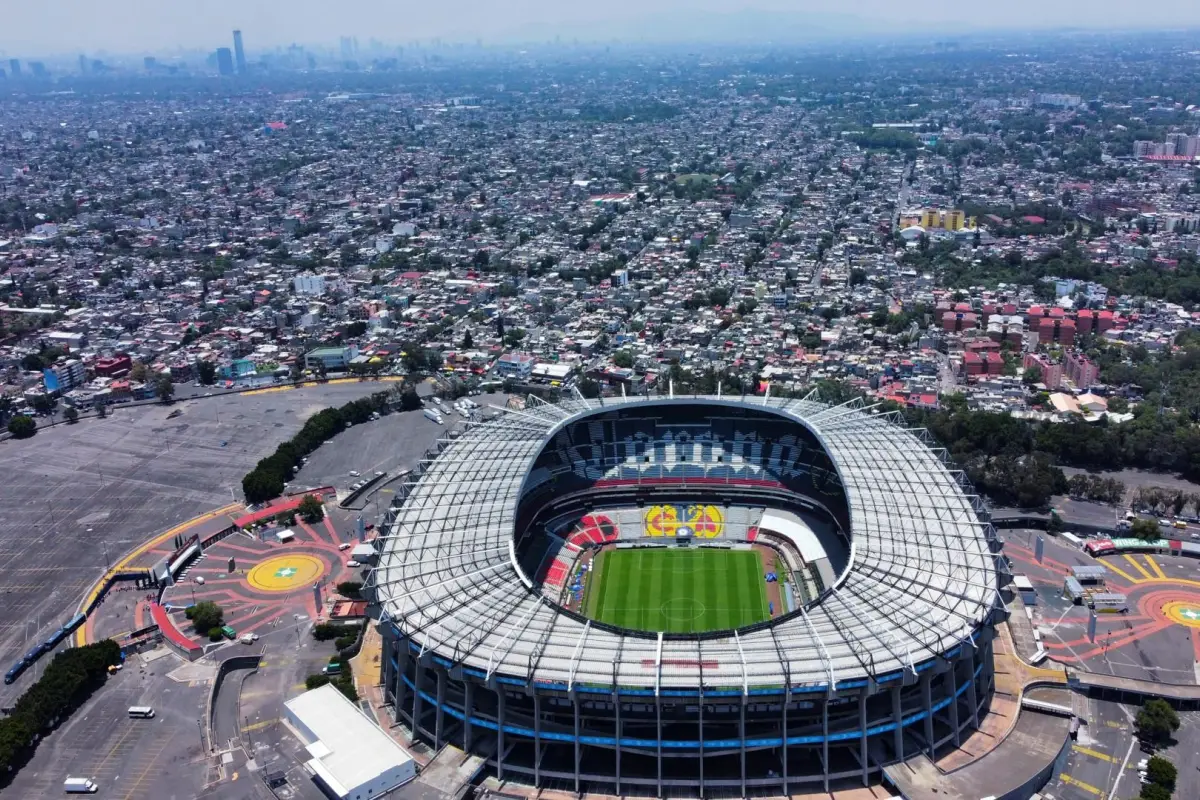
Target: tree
x: 101, y: 409
x: 623, y: 359
x: 138, y: 372
x: 467, y: 342
x: 1156, y: 720
x: 1147, y: 529
x: 205, y: 616
x: 1162, y: 772
x: 1033, y: 374
x: 349, y: 588
x: 1055, y: 523
x: 206, y: 371
x: 22, y: 426
x: 310, y: 509
x: 71, y: 415
x: 589, y: 388
x: 44, y: 403
x: 1152, y: 791
x: 409, y: 400
x: 315, y: 681
x: 514, y: 337
x: 858, y: 276
x: 165, y: 389
x: 260, y: 486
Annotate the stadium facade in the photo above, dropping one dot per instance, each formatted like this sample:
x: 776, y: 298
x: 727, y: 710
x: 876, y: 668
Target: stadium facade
x: 883, y: 648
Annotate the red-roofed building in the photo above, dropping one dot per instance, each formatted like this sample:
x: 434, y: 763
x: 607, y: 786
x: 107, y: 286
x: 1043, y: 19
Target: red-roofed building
x: 972, y: 364
x: 993, y: 363
x: 113, y: 367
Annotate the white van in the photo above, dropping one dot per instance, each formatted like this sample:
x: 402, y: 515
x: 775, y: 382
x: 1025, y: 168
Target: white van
x: 141, y: 712
x: 79, y: 786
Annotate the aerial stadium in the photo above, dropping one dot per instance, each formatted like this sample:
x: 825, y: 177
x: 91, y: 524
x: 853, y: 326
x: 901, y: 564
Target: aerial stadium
x: 689, y: 596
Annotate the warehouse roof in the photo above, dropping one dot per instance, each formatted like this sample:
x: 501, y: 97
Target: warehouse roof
x: 350, y: 749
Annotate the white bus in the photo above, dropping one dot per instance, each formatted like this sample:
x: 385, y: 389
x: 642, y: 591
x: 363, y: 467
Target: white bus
x: 141, y: 712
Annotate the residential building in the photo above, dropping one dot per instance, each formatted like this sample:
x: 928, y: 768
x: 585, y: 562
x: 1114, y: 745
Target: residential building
x: 1081, y: 370
x: 332, y: 358
x: 64, y: 375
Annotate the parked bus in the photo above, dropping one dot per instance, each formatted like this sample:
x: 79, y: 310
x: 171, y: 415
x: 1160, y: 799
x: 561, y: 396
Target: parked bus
x: 141, y: 712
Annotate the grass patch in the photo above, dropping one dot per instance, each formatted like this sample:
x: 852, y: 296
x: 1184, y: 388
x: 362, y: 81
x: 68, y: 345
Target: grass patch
x: 677, y: 590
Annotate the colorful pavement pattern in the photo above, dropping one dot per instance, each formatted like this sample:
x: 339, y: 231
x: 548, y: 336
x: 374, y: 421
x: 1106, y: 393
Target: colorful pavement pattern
x: 270, y: 581
x: 1157, y: 603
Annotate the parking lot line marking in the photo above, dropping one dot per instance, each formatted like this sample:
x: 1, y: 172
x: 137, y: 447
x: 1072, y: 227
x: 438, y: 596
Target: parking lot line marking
x: 151, y: 764
x: 1154, y: 566
x: 1138, y: 566
x: 259, y: 725
x: 1087, y: 787
x: 1087, y: 751
x: 1112, y: 723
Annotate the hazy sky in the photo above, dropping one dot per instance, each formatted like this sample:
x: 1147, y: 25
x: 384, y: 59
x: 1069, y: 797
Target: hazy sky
x: 146, y: 26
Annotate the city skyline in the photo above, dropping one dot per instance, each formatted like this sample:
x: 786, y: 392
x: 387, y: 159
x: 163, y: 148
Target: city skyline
x: 106, y: 28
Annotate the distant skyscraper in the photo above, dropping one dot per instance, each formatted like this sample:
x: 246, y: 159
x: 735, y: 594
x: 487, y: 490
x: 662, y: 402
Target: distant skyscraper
x: 224, y: 61
x: 239, y: 55
x: 83, y: 65
x: 347, y: 48
x: 38, y: 69
x: 14, y: 67
x: 150, y: 63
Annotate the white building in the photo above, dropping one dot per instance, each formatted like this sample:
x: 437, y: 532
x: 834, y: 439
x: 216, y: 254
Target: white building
x: 351, y: 757
x: 308, y: 284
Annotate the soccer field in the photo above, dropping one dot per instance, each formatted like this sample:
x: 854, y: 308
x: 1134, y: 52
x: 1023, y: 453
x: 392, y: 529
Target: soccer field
x: 677, y: 590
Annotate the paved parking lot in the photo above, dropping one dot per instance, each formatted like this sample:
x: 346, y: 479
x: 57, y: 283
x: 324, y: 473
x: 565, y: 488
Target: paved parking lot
x: 130, y: 759
x: 74, y: 493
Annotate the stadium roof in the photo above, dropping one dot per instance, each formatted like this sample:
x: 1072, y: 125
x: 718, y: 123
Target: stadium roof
x: 921, y: 578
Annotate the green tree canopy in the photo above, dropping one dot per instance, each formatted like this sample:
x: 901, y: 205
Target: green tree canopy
x: 310, y: 509
x: 1156, y: 721
x: 22, y: 426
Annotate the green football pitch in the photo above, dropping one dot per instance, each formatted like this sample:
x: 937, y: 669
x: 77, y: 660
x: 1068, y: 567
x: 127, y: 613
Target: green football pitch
x: 677, y: 590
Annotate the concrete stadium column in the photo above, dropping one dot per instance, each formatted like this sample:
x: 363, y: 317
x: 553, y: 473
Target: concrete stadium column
x: 620, y: 733
x: 898, y: 719
x: 700, y: 706
x: 742, y: 740
x: 468, y: 710
x: 862, y: 738
x: 787, y: 699
x: 439, y: 717
x: 418, y: 672
x: 951, y: 685
x: 825, y: 742
x: 659, y: 733
x: 537, y: 738
x: 927, y: 700
x: 972, y: 695
x: 501, y: 702
x: 575, y: 707
x: 401, y: 688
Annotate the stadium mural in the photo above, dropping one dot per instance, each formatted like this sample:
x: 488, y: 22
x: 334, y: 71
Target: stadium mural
x: 704, y: 522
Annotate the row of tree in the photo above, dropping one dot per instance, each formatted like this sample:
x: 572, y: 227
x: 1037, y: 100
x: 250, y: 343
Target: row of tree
x: 67, y: 682
x: 265, y: 482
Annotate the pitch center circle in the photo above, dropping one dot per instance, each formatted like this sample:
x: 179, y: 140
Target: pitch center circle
x: 683, y: 609
x: 286, y: 573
